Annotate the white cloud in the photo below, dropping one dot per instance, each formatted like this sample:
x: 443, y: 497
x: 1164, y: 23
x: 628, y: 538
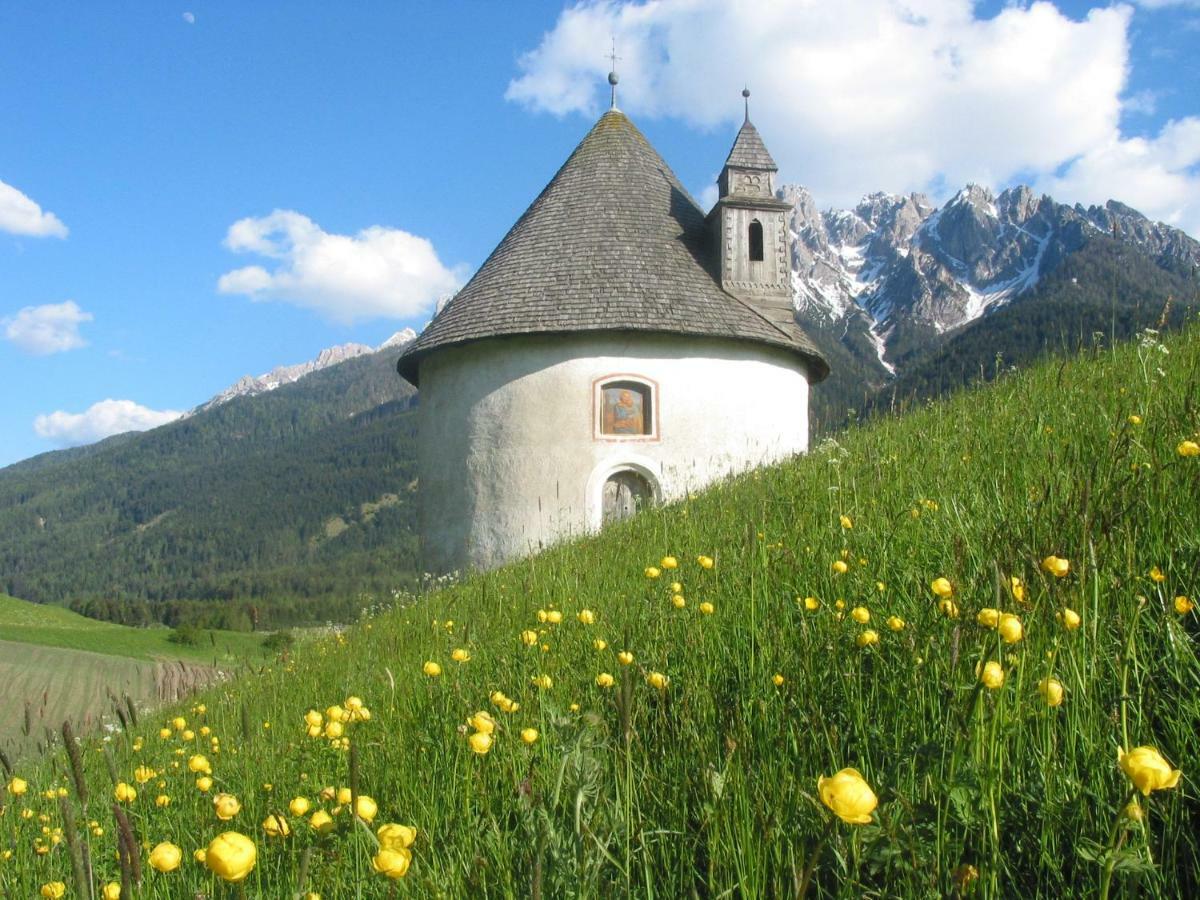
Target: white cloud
x: 379, y: 272
x: 20, y: 215
x: 100, y: 420
x: 859, y: 95
x: 46, y: 329
x: 190, y: 18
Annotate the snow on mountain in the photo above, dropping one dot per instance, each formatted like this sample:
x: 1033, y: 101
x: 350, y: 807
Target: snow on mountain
x: 250, y: 385
x: 916, y: 269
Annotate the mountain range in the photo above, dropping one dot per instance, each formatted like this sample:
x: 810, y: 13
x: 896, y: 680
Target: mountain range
x: 290, y: 496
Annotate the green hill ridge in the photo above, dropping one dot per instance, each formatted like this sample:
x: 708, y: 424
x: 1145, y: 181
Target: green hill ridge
x: 697, y: 772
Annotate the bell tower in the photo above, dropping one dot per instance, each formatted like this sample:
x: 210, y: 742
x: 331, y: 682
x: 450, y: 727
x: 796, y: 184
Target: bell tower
x: 749, y: 227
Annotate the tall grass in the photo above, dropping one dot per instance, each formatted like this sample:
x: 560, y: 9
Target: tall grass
x: 708, y: 787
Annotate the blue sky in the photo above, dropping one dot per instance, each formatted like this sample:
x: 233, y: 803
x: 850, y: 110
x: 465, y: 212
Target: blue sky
x: 147, y: 147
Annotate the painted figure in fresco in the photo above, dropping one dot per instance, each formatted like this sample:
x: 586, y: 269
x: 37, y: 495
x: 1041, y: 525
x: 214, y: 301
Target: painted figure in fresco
x: 623, y: 412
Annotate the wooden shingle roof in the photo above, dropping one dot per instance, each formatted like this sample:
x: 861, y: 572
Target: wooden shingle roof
x: 613, y: 243
x: 749, y: 151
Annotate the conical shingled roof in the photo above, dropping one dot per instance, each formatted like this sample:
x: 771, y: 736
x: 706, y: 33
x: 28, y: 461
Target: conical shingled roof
x: 749, y: 151
x: 613, y: 243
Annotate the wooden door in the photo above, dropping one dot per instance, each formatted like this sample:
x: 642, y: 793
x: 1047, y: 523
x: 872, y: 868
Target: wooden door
x: 624, y: 494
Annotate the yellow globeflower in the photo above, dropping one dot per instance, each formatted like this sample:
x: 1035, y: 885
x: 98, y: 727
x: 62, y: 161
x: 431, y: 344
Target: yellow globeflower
x: 231, y: 856
x: 1017, y: 588
x: 124, y: 793
x: 895, y: 623
x: 1056, y: 566
x: 948, y: 608
x: 162, y: 800
x: 142, y: 774
x: 707, y: 608
x: 846, y: 522
x: 367, y: 808
x: 1156, y: 575
x: 867, y: 638
x: 276, y: 825
x: 460, y: 654
x: 334, y: 730
x: 111, y: 891
x: 625, y: 658
x: 1147, y: 769
x: 164, y: 733
x: 1188, y: 448
x: 777, y: 680
x: 812, y: 604
x: 678, y: 601
x: 652, y: 572
x: 848, y: 795
x: 604, y: 680
x: 53, y: 889
x: 179, y: 723
x: 545, y: 682
x: 657, y: 680
x: 343, y: 796
x: 705, y: 562
x: 992, y: 675
x: 226, y: 806
x: 586, y: 617
x: 321, y: 822
x: 988, y: 617
x: 392, y: 863
x: 554, y: 617
x: 669, y: 562
x: 165, y: 857
x: 861, y: 615
x: 1051, y: 690
x: 396, y: 837
x: 1010, y: 628
x: 1183, y: 605
x: 482, y: 721
x: 203, y: 784
x: 1069, y: 618
x: 18, y: 786
x: 529, y: 637
x: 480, y: 742
x: 839, y: 567
x: 299, y: 806
x: 200, y: 765
x: 432, y: 669
x: 941, y: 587
x: 529, y: 735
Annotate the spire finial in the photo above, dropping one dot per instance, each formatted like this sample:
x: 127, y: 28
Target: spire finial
x: 612, y: 74
x: 746, y: 100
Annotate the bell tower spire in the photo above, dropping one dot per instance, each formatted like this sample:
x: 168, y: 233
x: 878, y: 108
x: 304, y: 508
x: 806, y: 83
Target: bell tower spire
x: 749, y: 225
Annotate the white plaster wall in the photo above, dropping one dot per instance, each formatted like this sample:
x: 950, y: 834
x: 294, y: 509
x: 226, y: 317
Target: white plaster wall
x: 508, y: 456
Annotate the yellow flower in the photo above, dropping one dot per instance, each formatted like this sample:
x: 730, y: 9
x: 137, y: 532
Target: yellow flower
x: 1188, y: 448
x: 299, y: 806
x: 276, y: 826
x: 179, y: 723
x: 396, y: 837
x: 669, y: 562
x: 652, y: 572
x: 335, y: 713
x: 480, y: 742
x: 941, y: 587
x: 164, y: 733
x: 529, y: 637
x: 482, y: 721
x: 880, y: 586
x: 124, y: 793
x: 53, y: 889
x: 777, y: 680
x: 460, y: 654
x: 1147, y: 769
x: 657, y: 680
x: 1056, y: 566
x: 1069, y: 618
x: 839, y: 603
x: 392, y: 863
x: 812, y: 604
x: 988, y: 617
x: 1018, y: 589
x: 529, y: 735
x: 367, y: 808
x: 554, y: 617
x: 839, y: 567
x: 600, y: 643
x: 200, y: 764
x: 334, y: 730
x: 848, y: 795
x: 676, y: 587
x: 203, y: 783
x: 846, y: 521
x: 321, y: 822
x: 706, y: 608
x: 1183, y: 605
x: 1135, y: 419
x: 1010, y: 628
x: 18, y: 786
x: 948, y: 608
x: 992, y: 675
x: 1156, y: 575
x: 111, y: 891
x: 226, y: 806
x: 604, y: 680
x: 343, y: 796
x: 895, y: 623
x: 142, y: 774
x: 432, y: 669
x: 586, y: 617
x: 545, y: 682
x: 678, y: 602
x: 1051, y: 690
x: 861, y: 615
x: 165, y: 857
x: 705, y: 562
x: 867, y: 638
x: 625, y: 658
x: 162, y: 800
x: 231, y: 856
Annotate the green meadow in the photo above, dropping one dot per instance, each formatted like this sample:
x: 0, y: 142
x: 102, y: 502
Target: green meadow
x: 596, y: 722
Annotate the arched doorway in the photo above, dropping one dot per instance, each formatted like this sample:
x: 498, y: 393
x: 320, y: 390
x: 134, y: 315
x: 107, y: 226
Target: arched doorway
x: 624, y: 494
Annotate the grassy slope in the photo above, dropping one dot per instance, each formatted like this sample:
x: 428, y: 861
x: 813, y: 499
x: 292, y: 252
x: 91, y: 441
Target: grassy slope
x: 709, y: 787
x: 53, y: 626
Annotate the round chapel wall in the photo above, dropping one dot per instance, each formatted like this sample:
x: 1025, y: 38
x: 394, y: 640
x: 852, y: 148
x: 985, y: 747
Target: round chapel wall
x: 515, y: 454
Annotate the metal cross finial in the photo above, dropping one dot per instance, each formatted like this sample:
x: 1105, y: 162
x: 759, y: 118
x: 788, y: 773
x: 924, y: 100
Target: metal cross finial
x: 612, y: 75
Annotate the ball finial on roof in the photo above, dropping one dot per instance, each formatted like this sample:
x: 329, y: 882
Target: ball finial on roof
x: 746, y: 100
x: 746, y: 93
x: 612, y: 78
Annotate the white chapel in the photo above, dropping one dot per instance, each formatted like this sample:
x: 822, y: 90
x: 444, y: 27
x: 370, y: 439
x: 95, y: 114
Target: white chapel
x: 618, y: 348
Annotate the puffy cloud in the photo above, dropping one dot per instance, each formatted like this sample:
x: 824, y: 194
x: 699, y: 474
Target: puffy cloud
x: 20, y: 215
x: 100, y: 420
x: 46, y: 329
x: 378, y: 272
x: 190, y: 18
x: 860, y: 95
